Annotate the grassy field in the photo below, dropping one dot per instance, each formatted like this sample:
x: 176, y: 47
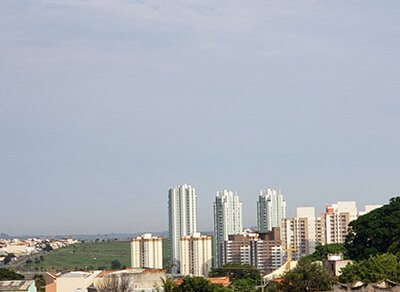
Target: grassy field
x: 81, y: 256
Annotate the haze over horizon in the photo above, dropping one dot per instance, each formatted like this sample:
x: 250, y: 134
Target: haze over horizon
x: 107, y: 104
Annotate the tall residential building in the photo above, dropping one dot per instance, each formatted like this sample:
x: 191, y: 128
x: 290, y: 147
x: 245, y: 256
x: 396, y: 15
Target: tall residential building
x: 261, y: 250
x: 303, y: 232
x: 196, y: 255
x: 227, y: 219
x: 271, y: 209
x: 182, y: 220
x: 147, y: 252
x: 337, y: 218
x: 299, y: 233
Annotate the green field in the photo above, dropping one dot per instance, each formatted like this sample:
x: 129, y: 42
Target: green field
x: 82, y: 256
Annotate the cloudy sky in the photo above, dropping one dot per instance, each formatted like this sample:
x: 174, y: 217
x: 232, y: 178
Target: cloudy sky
x: 105, y: 104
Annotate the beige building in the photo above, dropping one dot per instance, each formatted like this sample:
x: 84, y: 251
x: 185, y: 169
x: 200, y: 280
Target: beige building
x: 261, y: 250
x: 70, y: 282
x: 299, y: 233
x: 147, y: 252
x: 302, y: 233
x: 196, y: 255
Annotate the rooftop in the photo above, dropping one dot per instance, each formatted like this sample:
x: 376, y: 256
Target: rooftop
x: 15, y: 285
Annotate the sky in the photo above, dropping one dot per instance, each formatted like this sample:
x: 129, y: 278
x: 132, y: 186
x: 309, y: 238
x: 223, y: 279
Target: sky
x: 105, y: 105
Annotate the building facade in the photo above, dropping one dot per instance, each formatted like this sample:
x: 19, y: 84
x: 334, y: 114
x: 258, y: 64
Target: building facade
x: 147, y: 252
x: 271, y: 209
x: 182, y: 220
x: 335, y: 221
x: 227, y: 219
x: 261, y: 250
x: 299, y: 233
x: 302, y: 233
x: 196, y: 255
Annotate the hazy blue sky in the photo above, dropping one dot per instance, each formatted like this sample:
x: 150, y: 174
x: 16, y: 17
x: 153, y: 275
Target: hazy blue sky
x: 104, y: 105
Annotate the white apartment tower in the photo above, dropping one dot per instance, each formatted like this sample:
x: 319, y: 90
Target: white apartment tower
x: 147, y: 252
x: 182, y: 220
x: 227, y: 219
x: 271, y: 209
x: 196, y: 255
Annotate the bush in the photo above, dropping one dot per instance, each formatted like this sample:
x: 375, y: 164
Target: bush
x: 372, y: 270
x: 6, y: 275
x: 307, y: 276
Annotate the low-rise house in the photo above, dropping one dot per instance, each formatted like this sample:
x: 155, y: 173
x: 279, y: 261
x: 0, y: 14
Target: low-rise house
x: 335, y: 263
x: 148, y: 280
x: 18, y: 286
x: 70, y: 281
x: 384, y: 286
x: 133, y: 280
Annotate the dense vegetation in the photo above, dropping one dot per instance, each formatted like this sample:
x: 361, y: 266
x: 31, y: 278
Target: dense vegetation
x: 6, y: 275
x: 243, y: 277
x: 373, y: 244
x: 322, y: 251
x: 375, y: 233
x: 307, y: 276
x: 375, y: 269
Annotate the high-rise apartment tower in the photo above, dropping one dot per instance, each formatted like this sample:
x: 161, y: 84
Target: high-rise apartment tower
x: 227, y: 219
x: 182, y: 220
x: 271, y: 209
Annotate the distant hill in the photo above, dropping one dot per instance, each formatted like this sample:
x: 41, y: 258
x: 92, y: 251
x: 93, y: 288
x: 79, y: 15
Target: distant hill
x: 4, y: 236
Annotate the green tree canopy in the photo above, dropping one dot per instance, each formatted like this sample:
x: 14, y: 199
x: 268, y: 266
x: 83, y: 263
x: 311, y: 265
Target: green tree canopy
x: 243, y: 285
x: 168, y: 284
x: 375, y: 269
x: 115, y: 265
x: 237, y: 271
x: 322, y: 251
x: 307, y: 276
x: 192, y: 284
x: 375, y: 233
x: 6, y: 275
x: 40, y: 282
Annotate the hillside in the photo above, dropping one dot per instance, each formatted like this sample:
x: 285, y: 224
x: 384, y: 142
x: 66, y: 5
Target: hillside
x: 81, y: 256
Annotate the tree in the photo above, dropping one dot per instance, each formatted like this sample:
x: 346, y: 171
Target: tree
x: 115, y: 265
x: 307, y: 276
x: 6, y: 275
x: 375, y: 233
x: 237, y: 271
x: 375, y: 269
x: 322, y: 251
x: 114, y: 283
x: 40, y: 282
x: 47, y: 248
x: 8, y: 258
x: 243, y: 285
x: 168, y: 284
x: 195, y: 284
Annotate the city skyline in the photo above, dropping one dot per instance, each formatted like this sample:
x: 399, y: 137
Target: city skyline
x: 177, y: 191
x: 105, y: 105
